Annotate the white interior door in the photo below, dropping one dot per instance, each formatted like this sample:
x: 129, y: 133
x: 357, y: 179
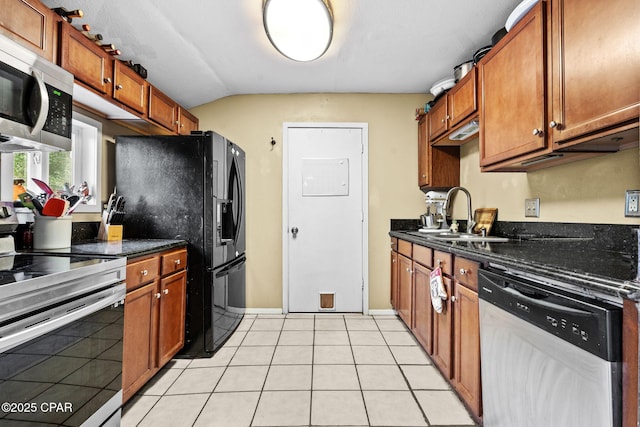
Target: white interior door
x: 325, y: 218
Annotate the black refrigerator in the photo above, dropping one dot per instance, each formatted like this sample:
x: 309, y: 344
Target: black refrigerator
x: 192, y: 188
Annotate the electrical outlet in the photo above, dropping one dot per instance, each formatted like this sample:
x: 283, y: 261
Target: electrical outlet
x: 532, y: 207
x: 632, y: 203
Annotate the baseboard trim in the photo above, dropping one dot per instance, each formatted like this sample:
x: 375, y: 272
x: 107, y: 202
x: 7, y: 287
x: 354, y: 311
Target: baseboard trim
x: 382, y: 312
x: 263, y: 311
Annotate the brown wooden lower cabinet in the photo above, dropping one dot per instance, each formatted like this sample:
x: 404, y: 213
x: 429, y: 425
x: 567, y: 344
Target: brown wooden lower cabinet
x: 423, y: 310
x: 443, y: 334
x: 466, y: 333
x: 405, y: 290
x: 154, y: 316
x: 451, y: 338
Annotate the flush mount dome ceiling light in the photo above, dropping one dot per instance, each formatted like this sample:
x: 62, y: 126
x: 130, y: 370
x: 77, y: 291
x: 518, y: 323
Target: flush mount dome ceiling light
x: 299, y: 29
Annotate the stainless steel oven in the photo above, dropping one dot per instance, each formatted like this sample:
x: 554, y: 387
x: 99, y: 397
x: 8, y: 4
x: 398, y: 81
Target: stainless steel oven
x: 61, y: 330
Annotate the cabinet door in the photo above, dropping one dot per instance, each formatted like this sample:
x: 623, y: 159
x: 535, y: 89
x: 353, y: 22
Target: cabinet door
x: 442, y: 335
x: 438, y: 167
x: 129, y: 88
x: 172, y: 316
x: 467, y: 347
x: 162, y: 109
x: 438, y: 119
x: 394, y: 280
x: 423, y: 310
x: 463, y: 99
x: 139, y: 345
x: 596, y: 66
x: 86, y: 61
x: 512, y: 121
x: 187, y: 122
x: 424, y: 159
x: 31, y: 24
x: 405, y: 291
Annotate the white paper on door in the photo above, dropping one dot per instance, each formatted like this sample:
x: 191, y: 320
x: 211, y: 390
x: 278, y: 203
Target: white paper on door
x: 325, y: 177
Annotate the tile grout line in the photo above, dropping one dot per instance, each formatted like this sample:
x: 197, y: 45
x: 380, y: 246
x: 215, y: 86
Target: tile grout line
x: 406, y: 380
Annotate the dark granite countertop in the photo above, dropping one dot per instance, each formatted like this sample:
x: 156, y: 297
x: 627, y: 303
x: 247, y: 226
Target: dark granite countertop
x: 130, y: 248
x: 591, y: 262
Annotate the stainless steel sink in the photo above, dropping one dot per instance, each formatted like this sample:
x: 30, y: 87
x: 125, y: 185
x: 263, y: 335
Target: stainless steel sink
x: 466, y: 237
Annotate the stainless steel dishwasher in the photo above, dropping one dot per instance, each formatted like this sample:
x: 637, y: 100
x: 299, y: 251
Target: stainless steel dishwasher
x: 549, y: 357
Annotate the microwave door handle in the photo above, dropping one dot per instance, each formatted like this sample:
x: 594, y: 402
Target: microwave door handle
x: 44, y: 103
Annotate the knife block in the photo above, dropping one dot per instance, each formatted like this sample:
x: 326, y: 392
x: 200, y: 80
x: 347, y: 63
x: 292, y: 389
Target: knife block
x: 109, y: 232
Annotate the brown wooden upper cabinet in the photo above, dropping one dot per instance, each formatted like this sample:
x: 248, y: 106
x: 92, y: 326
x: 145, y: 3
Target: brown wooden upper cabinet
x: 87, y: 62
x: 31, y: 24
x: 187, y: 122
x: 595, y: 48
x: 438, y: 167
x: 453, y: 109
x: 514, y: 92
x: 555, y: 84
x: 129, y: 88
x: 162, y: 109
x: 117, y: 83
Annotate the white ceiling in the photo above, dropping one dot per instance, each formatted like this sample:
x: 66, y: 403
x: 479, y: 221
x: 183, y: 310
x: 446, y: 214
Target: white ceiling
x: 200, y: 51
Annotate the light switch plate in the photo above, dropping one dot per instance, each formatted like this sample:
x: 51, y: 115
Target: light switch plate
x: 532, y: 208
x: 632, y: 203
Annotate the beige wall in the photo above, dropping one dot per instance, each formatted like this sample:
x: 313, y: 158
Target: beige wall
x: 251, y: 121
x: 588, y: 191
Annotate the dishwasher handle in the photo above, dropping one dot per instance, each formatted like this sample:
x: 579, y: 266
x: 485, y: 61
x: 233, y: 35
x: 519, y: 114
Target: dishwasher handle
x: 561, y: 309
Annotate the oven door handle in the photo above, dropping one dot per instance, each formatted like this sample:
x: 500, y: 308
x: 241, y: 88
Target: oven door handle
x: 14, y: 334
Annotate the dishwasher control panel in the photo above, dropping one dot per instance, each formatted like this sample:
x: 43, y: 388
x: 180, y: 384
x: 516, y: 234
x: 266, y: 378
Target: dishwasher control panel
x: 592, y: 325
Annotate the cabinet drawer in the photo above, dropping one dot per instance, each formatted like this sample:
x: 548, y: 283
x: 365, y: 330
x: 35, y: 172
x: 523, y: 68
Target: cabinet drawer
x: 174, y: 261
x: 394, y: 244
x: 466, y: 272
x: 443, y: 260
x: 404, y: 248
x: 139, y: 272
x: 423, y: 255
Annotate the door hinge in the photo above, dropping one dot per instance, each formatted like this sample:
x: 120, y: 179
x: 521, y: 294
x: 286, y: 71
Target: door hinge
x: 361, y: 216
x: 363, y: 283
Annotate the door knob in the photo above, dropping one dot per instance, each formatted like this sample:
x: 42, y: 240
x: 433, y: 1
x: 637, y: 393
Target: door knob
x: 294, y: 231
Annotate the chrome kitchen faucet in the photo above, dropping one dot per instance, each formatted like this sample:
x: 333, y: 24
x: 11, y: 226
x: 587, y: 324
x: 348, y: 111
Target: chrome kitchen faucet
x: 470, y: 222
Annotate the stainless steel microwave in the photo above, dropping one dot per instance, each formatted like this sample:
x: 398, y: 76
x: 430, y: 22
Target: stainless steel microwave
x: 35, y: 101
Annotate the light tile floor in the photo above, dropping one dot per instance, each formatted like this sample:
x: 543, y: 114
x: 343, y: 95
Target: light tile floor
x: 303, y: 370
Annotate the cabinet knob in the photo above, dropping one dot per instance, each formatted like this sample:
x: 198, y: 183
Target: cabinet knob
x: 176, y: 262
x: 453, y: 298
x: 463, y: 271
x: 158, y: 295
x: 538, y: 132
x: 144, y: 273
x: 424, y: 176
x: 438, y: 263
x: 553, y: 124
x: 166, y: 291
x: 107, y: 80
x: 118, y: 87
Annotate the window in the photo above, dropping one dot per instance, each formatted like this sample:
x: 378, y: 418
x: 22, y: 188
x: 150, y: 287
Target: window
x: 67, y: 171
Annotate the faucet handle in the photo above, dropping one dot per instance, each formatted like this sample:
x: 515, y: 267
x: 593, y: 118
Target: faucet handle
x: 470, y: 224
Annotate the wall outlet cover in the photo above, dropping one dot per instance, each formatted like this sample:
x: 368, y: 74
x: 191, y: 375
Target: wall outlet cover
x: 532, y: 208
x: 632, y: 203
